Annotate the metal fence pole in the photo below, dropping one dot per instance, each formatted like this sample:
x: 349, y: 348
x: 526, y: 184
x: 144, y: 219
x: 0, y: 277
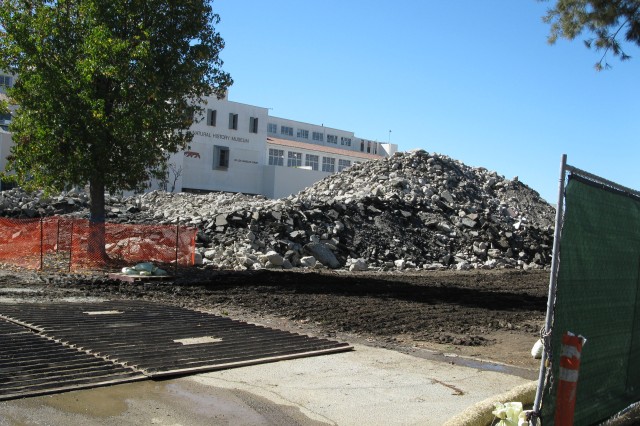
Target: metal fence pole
x: 71, y: 246
x: 41, y: 245
x: 58, y: 236
x: 175, y: 270
x: 553, y: 280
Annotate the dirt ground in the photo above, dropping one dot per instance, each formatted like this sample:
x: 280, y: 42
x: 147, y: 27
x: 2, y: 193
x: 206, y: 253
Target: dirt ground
x: 494, y: 315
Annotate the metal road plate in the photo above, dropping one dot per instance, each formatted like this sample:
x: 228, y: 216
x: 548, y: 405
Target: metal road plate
x: 155, y: 339
x: 31, y: 364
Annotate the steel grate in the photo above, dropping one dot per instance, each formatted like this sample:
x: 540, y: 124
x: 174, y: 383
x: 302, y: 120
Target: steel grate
x: 163, y: 340
x: 31, y: 364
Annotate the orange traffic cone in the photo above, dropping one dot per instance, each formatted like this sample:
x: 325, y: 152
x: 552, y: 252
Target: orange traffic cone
x: 569, y: 367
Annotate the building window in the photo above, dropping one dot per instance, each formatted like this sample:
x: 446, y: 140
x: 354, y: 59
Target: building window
x: 220, y: 157
x: 343, y: 164
x: 345, y: 141
x: 253, y: 124
x: 4, y: 122
x: 233, y: 121
x: 276, y: 157
x: 211, y: 117
x: 272, y: 128
x: 362, y: 145
x: 328, y: 164
x: 332, y: 139
x: 286, y: 130
x: 5, y: 81
x: 294, y: 159
x: 317, y: 136
x: 311, y: 161
x: 303, y: 134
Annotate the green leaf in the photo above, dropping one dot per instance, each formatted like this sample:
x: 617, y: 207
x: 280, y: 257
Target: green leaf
x: 105, y: 85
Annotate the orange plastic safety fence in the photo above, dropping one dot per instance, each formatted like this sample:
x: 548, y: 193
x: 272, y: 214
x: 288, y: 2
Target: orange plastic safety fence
x: 20, y: 242
x: 95, y: 244
x: 75, y: 244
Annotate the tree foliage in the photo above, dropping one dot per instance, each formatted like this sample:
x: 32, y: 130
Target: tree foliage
x: 106, y: 89
x: 606, y: 20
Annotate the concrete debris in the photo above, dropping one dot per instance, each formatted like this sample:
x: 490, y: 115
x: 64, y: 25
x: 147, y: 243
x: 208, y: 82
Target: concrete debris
x: 411, y: 211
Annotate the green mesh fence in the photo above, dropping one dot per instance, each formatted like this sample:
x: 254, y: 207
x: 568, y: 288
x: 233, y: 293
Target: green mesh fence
x: 598, y: 297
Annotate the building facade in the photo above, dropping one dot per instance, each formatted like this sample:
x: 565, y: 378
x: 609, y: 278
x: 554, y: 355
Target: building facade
x: 241, y: 148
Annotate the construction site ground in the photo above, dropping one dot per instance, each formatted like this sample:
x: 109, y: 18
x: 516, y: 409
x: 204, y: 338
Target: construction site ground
x: 494, y: 315
x: 466, y: 335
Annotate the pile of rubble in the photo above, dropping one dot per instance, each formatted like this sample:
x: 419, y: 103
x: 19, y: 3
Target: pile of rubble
x: 413, y: 210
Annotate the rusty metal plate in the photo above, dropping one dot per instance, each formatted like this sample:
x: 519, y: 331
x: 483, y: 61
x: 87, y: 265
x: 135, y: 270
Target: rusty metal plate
x: 31, y: 364
x: 160, y: 340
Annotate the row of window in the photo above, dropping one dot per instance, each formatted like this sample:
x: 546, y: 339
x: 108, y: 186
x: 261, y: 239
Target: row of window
x: 276, y: 158
x: 294, y: 159
x: 212, y: 118
x: 365, y: 146
x: 368, y: 147
x: 304, y: 134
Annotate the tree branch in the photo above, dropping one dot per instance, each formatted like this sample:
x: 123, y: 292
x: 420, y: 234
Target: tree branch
x: 611, y: 40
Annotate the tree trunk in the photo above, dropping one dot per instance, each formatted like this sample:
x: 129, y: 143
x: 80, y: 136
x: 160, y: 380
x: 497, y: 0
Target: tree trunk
x: 96, y: 241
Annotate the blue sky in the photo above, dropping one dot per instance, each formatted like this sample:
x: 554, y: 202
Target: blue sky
x: 474, y: 80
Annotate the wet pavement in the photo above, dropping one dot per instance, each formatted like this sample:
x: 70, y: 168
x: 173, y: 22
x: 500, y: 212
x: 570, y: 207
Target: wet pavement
x: 171, y: 402
x: 370, y: 386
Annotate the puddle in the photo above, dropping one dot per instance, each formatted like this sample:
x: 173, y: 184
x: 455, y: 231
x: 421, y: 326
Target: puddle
x: 102, y: 402
x: 170, y: 402
x: 480, y: 365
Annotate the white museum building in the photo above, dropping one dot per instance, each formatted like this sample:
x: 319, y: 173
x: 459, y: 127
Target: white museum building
x: 240, y: 148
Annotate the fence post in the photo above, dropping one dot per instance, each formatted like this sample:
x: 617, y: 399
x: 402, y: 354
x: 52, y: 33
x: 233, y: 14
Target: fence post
x: 175, y: 270
x: 71, y: 246
x: 553, y: 281
x: 41, y: 246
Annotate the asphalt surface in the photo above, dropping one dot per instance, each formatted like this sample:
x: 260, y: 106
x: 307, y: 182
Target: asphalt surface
x: 370, y: 386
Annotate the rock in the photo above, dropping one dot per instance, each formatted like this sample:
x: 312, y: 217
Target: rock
x: 297, y: 234
x: 463, y: 266
x: 308, y: 261
x: 221, y: 220
x: 447, y: 196
x: 359, y: 265
x: 274, y: 258
x: 468, y: 222
x: 322, y: 254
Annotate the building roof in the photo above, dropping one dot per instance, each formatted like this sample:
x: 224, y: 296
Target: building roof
x: 324, y: 149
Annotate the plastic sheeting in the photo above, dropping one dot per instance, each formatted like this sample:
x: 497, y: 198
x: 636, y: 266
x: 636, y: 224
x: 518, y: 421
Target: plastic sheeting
x: 598, y: 297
